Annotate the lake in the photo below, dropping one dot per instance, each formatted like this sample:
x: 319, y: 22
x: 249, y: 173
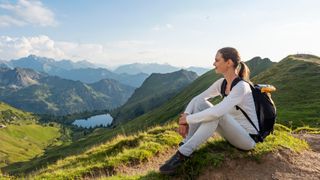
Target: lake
x: 94, y: 121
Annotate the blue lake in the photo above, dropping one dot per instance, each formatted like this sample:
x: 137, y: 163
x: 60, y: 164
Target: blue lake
x: 94, y: 121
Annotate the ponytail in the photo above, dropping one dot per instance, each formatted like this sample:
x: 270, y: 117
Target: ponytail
x: 244, y: 71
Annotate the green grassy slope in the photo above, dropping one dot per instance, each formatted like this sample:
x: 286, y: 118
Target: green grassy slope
x: 106, y: 158
x: 297, y: 79
x: 154, y: 91
x: 22, y: 138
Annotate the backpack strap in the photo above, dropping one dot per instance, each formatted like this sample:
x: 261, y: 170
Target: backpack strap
x: 248, y: 118
x: 224, y: 85
x: 223, y: 93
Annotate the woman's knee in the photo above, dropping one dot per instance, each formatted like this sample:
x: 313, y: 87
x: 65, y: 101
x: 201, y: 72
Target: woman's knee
x: 203, y: 104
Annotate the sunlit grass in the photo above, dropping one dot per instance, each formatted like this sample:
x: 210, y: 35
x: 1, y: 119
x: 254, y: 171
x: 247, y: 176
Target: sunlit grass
x: 105, y: 158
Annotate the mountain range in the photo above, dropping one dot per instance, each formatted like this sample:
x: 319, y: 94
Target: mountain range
x: 129, y: 74
x: 40, y: 93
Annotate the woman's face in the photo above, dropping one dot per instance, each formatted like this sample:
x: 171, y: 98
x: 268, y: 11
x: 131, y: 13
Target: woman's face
x: 220, y: 64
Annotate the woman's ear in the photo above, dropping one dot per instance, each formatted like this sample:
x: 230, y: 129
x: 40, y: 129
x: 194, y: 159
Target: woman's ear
x: 230, y: 63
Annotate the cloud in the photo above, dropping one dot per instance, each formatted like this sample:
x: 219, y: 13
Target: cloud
x: 27, y: 12
x: 6, y: 21
x: 13, y: 47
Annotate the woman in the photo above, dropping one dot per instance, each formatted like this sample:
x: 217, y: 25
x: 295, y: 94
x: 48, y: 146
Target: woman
x: 201, y: 119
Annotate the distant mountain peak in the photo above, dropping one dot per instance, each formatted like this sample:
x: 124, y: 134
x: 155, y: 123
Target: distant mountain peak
x: 19, y: 77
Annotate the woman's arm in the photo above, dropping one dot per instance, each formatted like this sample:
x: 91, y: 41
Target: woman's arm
x: 234, y: 98
x: 212, y: 91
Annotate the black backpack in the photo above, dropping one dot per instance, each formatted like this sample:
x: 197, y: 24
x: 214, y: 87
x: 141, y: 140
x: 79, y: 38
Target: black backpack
x: 265, y: 109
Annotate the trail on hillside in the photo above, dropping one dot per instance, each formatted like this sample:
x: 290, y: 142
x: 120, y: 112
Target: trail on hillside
x: 281, y: 164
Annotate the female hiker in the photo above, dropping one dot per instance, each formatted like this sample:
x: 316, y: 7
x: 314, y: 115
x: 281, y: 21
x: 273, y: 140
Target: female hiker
x: 201, y: 119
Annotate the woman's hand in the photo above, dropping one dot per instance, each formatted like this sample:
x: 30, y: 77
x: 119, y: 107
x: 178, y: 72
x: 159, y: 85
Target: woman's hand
x: 183, y: 125
x: 183, y: 130
x: 183, y: 119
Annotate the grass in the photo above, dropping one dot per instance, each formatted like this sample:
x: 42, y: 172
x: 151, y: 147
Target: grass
x: 23, y: 139
x: 216, y: 151
x: 104, y: 159
x: 24, y: 142
x: 4, y: 177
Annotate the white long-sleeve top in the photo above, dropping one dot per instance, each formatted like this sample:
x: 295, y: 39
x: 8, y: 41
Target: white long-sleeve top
x: 240, y: 95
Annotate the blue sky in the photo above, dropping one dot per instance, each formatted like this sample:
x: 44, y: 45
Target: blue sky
x: 182, y: 33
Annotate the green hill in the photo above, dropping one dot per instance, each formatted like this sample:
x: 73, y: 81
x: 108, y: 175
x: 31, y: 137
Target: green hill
x: 154, y: 91
x: 21, y: 138
x: 297, y: 79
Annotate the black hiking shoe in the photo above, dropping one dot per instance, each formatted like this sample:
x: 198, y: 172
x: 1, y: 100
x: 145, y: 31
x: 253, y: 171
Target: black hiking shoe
x: 172, y: 164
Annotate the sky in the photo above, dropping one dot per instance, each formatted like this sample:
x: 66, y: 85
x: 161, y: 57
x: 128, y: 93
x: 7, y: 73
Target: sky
x: 182, y: 33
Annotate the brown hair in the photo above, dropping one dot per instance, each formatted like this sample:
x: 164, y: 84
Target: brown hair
x: 231, y: 53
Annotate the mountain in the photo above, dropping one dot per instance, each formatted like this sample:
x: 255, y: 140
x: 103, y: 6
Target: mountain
x: 257, y: 65
x: 154, y: 91
x: 45, y: 94
x: 147, y: 68
x: 48, y: 65
x: 199, y: 70
x: 82, y: 70
x: 4, y: 64
x: 18, y: 77
x: 90, y: 75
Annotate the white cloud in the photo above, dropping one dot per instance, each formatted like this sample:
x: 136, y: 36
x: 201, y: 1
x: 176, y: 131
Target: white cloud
x: 13, y: 47
x: 6, y: 21
x: 27, y: 12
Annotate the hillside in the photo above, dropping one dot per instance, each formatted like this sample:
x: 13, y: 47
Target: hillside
x: 22, y: 138
x: 257, y: 65
x: 138, y: 152
x: 155, y: 90
x: 297, y: 79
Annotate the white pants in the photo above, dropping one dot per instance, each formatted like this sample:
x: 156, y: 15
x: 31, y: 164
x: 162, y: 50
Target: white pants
x: 226, y: 126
